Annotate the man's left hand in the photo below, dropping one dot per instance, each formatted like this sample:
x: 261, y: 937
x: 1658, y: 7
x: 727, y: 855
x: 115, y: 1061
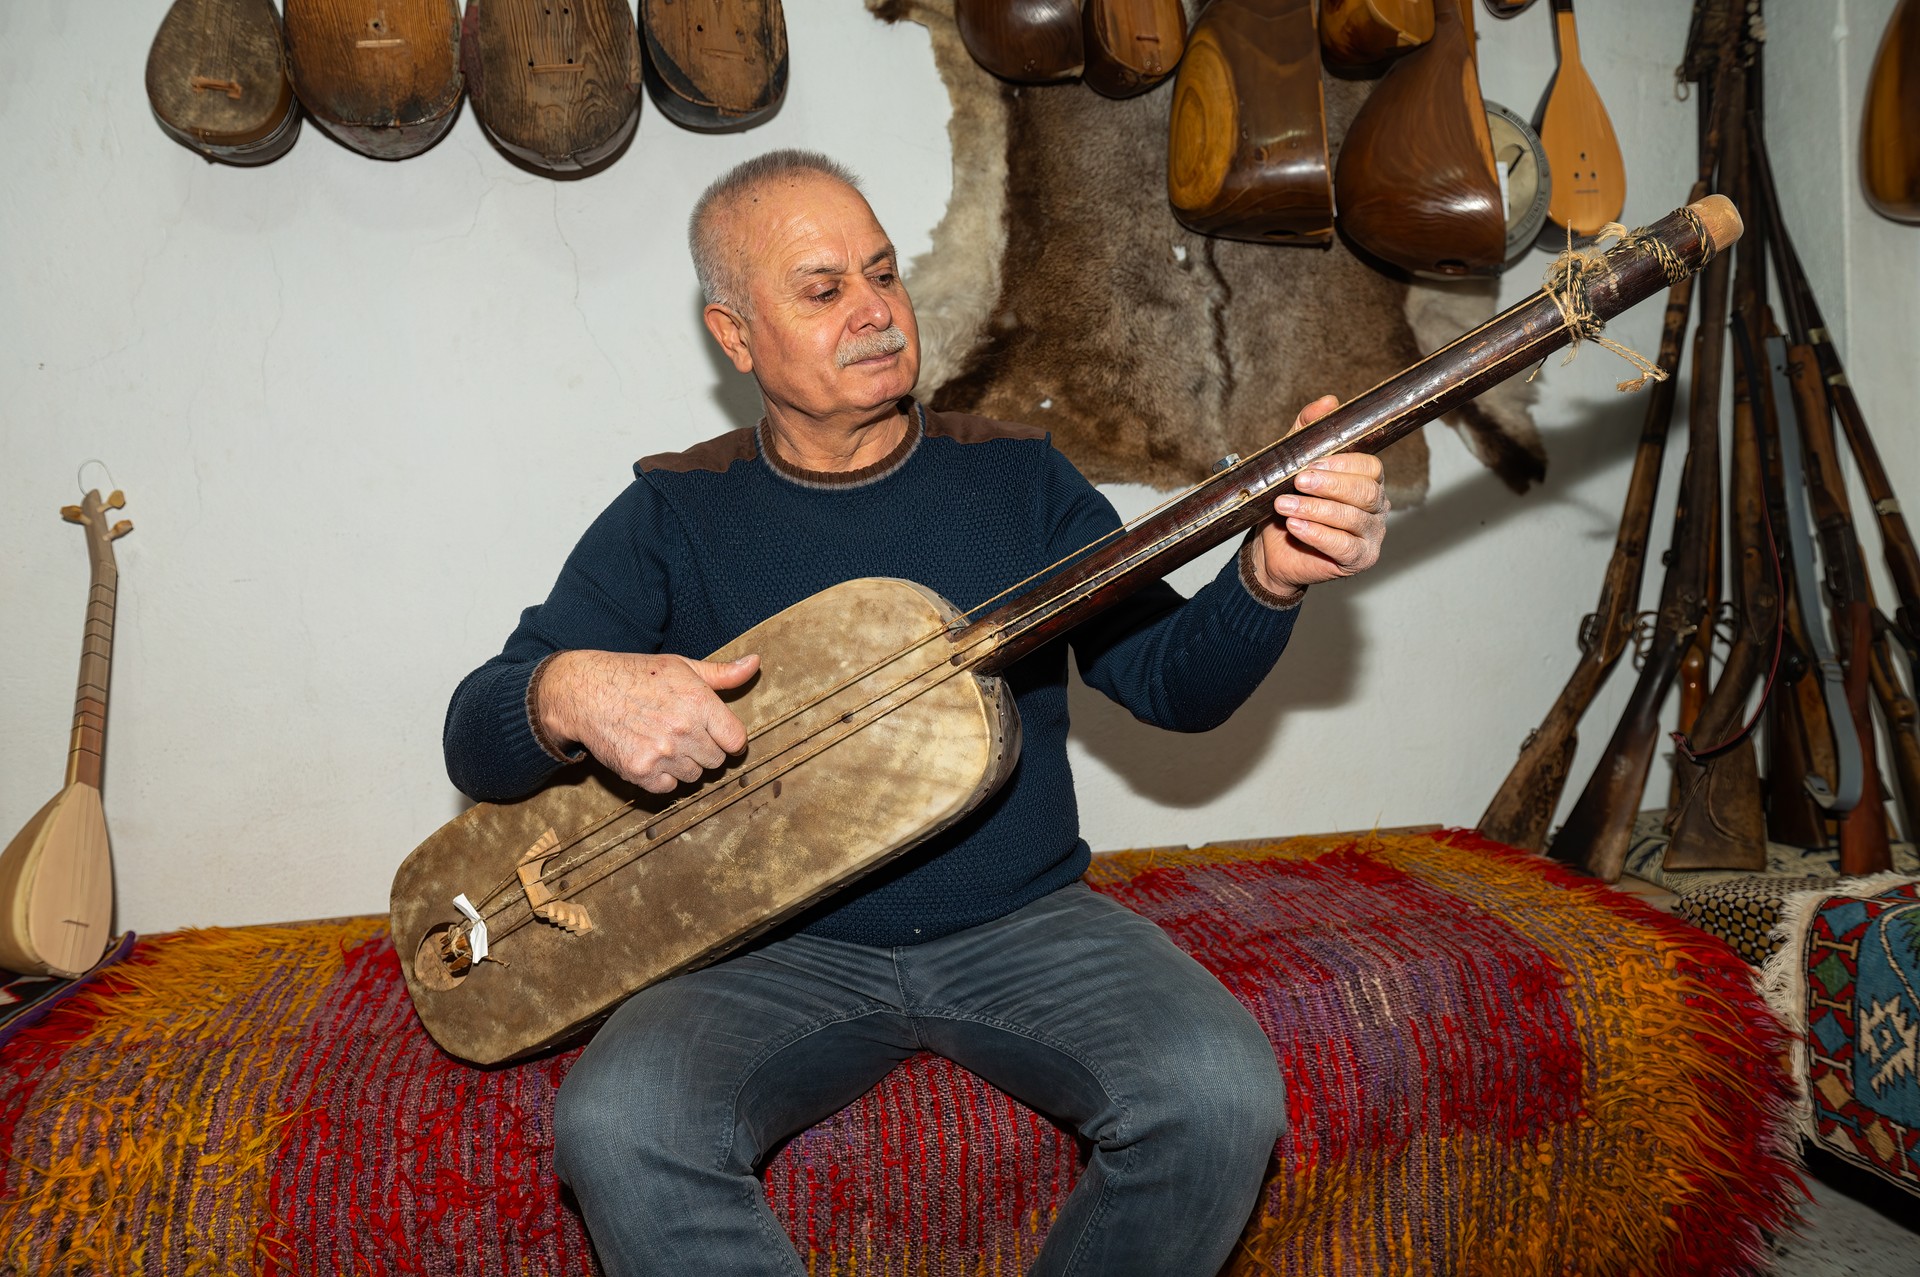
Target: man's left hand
x: 1331, y: 526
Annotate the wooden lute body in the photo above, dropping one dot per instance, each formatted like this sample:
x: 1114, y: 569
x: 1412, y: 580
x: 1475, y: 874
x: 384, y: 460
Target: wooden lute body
x: 876, y: 721
x: 1589, y: 175
x: 715, y: 64
x: 56, y: 876
x: 1890, y: 120
x: 555, y: 85
x: 382, y: 76
x: 1415, y: 182
x: 859, y: 749
x: 1247, y: 132
x: 217, y: 80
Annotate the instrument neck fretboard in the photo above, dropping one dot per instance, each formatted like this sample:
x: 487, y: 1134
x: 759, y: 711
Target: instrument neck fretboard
x: 88, y: 742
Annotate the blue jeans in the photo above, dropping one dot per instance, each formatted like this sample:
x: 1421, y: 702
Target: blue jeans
x: 1074, y: 1006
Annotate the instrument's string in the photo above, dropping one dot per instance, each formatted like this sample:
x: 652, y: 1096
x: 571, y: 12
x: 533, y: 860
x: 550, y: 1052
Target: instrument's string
x: 729, y: 795
x: 1182, y: 531
x: 1072, y: 556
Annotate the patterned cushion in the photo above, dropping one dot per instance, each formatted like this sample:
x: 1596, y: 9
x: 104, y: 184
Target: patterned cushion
x: 1847, y: 979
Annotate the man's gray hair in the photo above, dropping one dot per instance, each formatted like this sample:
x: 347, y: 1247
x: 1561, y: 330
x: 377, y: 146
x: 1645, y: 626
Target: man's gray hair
x: 718, y: 262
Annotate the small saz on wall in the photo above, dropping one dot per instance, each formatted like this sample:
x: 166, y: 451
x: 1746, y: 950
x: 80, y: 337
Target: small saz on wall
x: 56, y: 876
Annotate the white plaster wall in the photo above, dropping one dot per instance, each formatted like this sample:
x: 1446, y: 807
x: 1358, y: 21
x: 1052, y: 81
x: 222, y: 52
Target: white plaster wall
x: 361, y: 411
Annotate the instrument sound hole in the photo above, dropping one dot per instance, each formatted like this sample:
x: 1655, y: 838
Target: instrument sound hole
x: 431, y: 966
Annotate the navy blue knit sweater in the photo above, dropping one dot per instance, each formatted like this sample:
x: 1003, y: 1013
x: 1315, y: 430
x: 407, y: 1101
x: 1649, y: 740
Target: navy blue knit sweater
x: 709, y: 542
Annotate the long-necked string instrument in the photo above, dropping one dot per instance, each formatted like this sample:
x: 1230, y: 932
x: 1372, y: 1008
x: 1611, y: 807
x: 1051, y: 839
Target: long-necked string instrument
x: 519, y: 922
x: 1590, y: 178
x: 217, y: 80
x: 382, y: 76
x: 1131, y: 45
x: 56, y: 876
x: 555, y: 83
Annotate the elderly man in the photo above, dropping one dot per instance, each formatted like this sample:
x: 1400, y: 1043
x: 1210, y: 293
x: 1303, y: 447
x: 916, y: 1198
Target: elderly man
x: 982, y: 945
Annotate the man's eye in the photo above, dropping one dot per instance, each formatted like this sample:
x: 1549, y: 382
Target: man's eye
x: 826, y: 294
x: 884, y: 279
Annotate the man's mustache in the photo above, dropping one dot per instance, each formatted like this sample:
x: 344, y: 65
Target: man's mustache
x: 871, y: 346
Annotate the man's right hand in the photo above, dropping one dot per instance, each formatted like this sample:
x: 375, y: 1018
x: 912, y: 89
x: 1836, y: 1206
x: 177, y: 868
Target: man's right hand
x: 654, y: 720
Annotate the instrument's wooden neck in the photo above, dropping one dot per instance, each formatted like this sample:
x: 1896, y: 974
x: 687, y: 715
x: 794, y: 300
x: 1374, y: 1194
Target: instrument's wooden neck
x: 1241, y: 496
x: 87, y: 744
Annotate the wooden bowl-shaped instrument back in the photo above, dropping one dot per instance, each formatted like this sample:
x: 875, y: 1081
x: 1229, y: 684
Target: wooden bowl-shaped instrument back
x: 1027, y: 41
x: 1357, y: 32
x: 715, y: 64
x: 1415, y: 181
x: 382, y: 76
x: 1247, y: 133
x: 1890, y: 124
x: 555, y: 83
x: 217, y: 80
x: 1131, y: 45
x: 817, y: 800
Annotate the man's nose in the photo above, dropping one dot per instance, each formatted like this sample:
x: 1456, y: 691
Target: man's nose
x: 871, y: 307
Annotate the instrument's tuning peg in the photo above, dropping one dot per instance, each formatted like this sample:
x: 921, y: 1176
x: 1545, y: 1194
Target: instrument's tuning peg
x: 117, y: 500
x: 120, y: 529
x: 72, y: 514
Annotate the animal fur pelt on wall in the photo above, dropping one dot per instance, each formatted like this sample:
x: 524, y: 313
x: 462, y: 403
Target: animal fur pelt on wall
x: 1060, y: 291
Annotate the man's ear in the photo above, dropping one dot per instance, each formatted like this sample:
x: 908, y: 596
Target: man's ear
x: 731, y: 332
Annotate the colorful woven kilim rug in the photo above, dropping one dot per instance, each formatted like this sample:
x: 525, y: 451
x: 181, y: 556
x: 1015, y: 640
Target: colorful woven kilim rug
x: 1847, y: 976
x: 1493, y: 1067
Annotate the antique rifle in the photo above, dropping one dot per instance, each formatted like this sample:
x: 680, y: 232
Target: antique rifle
x: 1863, y: 830
x: 1597, y: 831
x: 1717, y: 819
x: 875, y: 697
x: 1522, y: 809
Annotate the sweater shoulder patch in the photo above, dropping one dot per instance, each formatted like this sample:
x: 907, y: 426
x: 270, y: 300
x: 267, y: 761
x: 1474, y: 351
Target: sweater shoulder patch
x: 964, y: 427
x: 715, y: 454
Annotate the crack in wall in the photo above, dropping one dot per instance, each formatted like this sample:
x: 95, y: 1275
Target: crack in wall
x: 577, y: 308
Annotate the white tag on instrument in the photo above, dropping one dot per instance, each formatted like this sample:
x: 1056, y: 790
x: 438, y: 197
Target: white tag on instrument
x: 477, y: 937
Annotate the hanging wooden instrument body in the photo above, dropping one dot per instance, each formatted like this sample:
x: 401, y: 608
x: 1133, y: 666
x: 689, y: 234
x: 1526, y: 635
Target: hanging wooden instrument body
x: 56, y: 876
x: 1131, y: 45
x: 1358, y: 32
x: 1415, y: 182
x: 382, y: 76
x: 1247, y: 132
x: 555, y: 84
x: 715, y: 64
x: 217, y: 80
x: 1026, y: 41
x: 1890, y: 120
x: 876, y: 721
x: 1590, y: 177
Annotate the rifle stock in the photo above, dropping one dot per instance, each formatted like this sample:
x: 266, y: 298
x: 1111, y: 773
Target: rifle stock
x: 1600, y: 826
x: 1522, y: 809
